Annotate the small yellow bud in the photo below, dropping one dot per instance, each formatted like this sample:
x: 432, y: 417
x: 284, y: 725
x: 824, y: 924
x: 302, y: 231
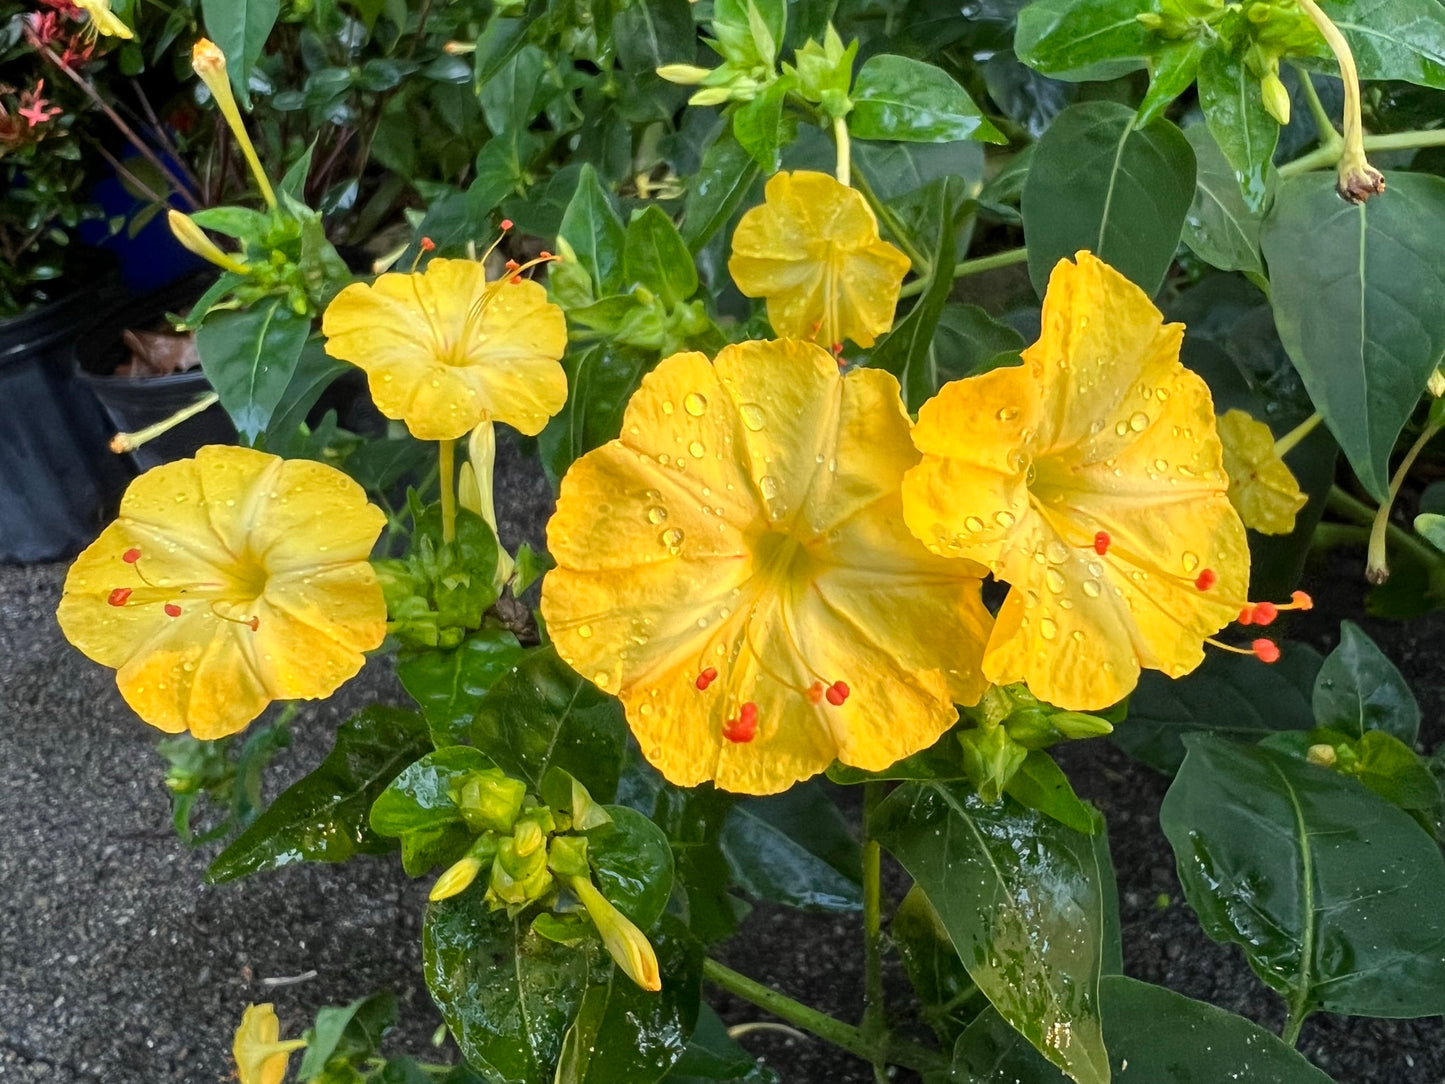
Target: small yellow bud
x: 687, y: 75
x: 1436, y: 383
x: 260, y: 1054
x: 456, y: 879
x: 474, y: 487
x: 625, y: 943
x: 1275, y: 96
x: 459, y: 48
x: 1321, y: 755
x: 710, y: 96
x: 195, y: 240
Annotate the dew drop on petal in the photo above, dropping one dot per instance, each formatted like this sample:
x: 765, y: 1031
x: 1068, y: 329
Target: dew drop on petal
x: 602, y: 679
x: 1091, y: 588
x: 1138, y: 421
x: 1057, y: 551
x: 752, y: 416
x: 1054, y: 580
x: 695, y: 404
x: 584, y: 631
x: 1007, y: 414
x: 667, y: 407
x: 695, y: 449
x: 1048, y: 628
x: 656, y: 514
x: 1190, y: 560
x: 1004, y: 519
x: 769, y: 486
x: 973, y: 523
x: 1076, y: 636
x: 672, y: 539
x: 1122, y: 429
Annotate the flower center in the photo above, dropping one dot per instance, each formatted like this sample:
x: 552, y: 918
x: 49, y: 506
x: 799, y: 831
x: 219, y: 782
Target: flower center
x: 784, y: 563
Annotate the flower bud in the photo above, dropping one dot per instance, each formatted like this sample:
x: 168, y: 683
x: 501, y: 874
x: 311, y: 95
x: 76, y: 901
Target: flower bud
x: 1275, y: 96
x: 456, y: 879
x: 194, y: 239
x: 1322, y: 755
x: 210, y: 64
x: 474, y: 491
x: 625, y: 943
x: 260, y: 1054
x: 567, y: 856
x: 491, y: 801
x: 711, y: 96
x: 687, y: 75
x: 990, y: 759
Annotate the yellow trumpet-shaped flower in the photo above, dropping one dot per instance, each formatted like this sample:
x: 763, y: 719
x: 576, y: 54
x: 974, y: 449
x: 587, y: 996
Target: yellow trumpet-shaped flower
x: 103, y: 20
x: 260, y: 1053
x: 1090, y: 479
x: 445, y: 350
x: 1262, y: 489
x: 228, y: 581
x: 812, y: 249
x: 735, y: 568
x: 210, y: 65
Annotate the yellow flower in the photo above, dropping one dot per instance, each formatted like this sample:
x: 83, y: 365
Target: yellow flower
x: 228, y: 581
x: 445, y: 350
x: 735, y: 568
x: 1089, y: 479
x: 260, y: 1055
x: 813, y: 250
x: 1261, y: 487
x: 103, y: 20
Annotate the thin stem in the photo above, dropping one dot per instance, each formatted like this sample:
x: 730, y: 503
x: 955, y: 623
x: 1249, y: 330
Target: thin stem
x: 840, y: 136
x: 828, y: 1028
x: 921, y: 263
x: 1324, y: 127
x: 875, y: 1024
x: 1325, y: 157
x: 1291, y: 440
x: 976, y: 266
x: 1352, y: 508
x: 1348, y: 75
x: 447, y: 476
x: 1377, y: 565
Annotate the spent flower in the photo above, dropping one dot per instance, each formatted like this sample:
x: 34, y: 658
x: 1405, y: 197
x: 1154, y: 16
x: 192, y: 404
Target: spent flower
x: 1262, y: 489
x: 261, y: 1055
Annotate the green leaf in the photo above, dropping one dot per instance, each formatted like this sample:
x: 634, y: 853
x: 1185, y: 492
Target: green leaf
x: 632, y: 864
x: 1359, y: 301
x: 894, y: 170
x: 759, y: 125
x: 240, y: 29
x: 600, y: 382
x: 895, y: 97
x: 624, y: 1033
x: 591, y: 226
x: 1171, y: 73
x: 1394, y: 39
x: 732, y: 22
x: 323, y: 817
x: 908, y: 350
x: 1023, y: 902
x: 1099, y: 183
x: 1359, y: 690
x: 349, y: 1032
x: 1331, y: 891
x: 293, y: 184
x: 515, y: 94
x: 542, y: 715
x: 1229, y: 694
x: 450, y: 684
x: 417, y: 808
x: 794, y: 848
x: 1154, y: 1035
x: 315, y: 371
x: 1082, y: 40
x: 507, y: 995
x: 657, y: 257
x: 249, y: 358
x: 1401, y: 776
x: 969, y: 342
x: 1235, y: 113
x: 712, y: 1054
x: 948, y: 999
x: 693, y: 819
x: 1220, y: 227
x: 1042, y: 785
x: 719, y: 188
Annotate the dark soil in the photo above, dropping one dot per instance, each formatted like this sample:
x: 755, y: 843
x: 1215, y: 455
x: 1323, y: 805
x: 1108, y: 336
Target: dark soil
x: 118, y: 965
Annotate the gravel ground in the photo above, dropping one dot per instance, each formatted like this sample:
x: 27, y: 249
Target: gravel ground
x: 118, y: 965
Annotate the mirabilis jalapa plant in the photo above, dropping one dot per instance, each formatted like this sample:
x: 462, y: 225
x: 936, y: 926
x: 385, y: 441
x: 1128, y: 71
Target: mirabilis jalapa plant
x: 778, y: 509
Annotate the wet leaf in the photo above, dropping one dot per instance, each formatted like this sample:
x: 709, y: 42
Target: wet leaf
x: 418, y: 809
x: 794, y: 848
x: 948, y: 999
x: 712, y: 1055
x: 632, y: 864
x: 1083, y: 39
x: 449, y: 685
x: 1244, y: 130
x: 1359, y: 689
x: 1220, y: 227
x: 249, y: 358
x: 656, y: 257
x: 600, y: 382
x: 718, y: 190
x: 898, y: 98
x: 591, y: 226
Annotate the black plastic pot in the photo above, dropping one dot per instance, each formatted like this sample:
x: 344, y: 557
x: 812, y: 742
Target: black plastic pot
x: 59, y: 481
x: 135, y: 402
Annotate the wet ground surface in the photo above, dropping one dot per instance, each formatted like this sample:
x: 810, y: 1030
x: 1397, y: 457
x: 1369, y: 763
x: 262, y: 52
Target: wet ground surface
x: 118, y: 965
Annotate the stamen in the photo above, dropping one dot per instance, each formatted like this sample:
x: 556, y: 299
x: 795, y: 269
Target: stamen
x: 744, y: 728
x: 119, y: 596
x: 506, y: 224
x: 172, y: 610
x: 1206, y: 580
x: 1246, y: 615
x: 253, y: 623
x: 1265, y: 613
x: 130, y: 556
x: 1299, y: 601
x: 1266, y: 650
x: 706, y: 678
x: 837, y: 693
x: 428, y: 245
x: 815, y: 692
x: 1101, y: 542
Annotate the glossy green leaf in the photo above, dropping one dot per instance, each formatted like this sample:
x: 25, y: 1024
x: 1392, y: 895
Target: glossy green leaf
x: 1394, y: 39
x: 732, y: 22
x: 543, y: 715
x: 969, y: 342
x: 1042, y: 785
x: 947, y: 998
x: 1022, y: 899
x: 908, y: 351
x: 347, y: 1033
x: 1155, y: 1036
x: 507, y: 995
x: 515, y: 94
x: 600, y: 381
x: 1099, y: 183
x: 1171, y: 72
x: 719, y: 189
x: 417, y: 808
x: 712, y: 1055
x: 323, y: 816
x: 1220, y: 227
x: 794, y: 848
x: 240, y: 29
x: 1332, y: 892
x: 692, y: 818
x: 632, y: 864
x: 1081, y: 40
x: 1236, y: 117
x: 657, y: 257
x: 591, y: 226
x: 898, y: 98
x: 759, y: 125
x: 897, y: 169
x: 1359, y: 689
x: 249, y: 357
x: 1232, y: 695
x: 448, y: 685
x: 624, y: 1033
x: 315, y: 372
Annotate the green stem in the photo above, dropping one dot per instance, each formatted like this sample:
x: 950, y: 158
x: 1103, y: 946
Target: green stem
x: 447, y: 476
x: 1290, y: 440
x: 875, y: 1024
x: 1325, y: 157
x: 845, y: 164
x: 1352, y: 508
x: 921, y: 263
x: 828, y: 1028
x: 976, y: 266
x: 1377, y: 565
x: 1324, y: 127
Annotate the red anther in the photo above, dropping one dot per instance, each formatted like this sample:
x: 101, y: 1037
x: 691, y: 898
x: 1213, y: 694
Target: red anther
x: 815, y: 692
x: 544, y: 255
x: 255, y: 624
x: 1301, y: 601
x: 1266, y: 650
x: 506, y: 223
x: 1265, y: 613
x: 119, y: 597
x: 837, y: 349
x: 1206, y: 580
x: 172, y: 610
x: 817, y: 326
x: 428, y: 245
x: 706, y: 678
x: 837, y: 693
x: 1101, y: 542
x: 512, y: 265
x: 130, y: 556
x: 745, y: 727
x: 1246, y: 615
x: 516, y: 279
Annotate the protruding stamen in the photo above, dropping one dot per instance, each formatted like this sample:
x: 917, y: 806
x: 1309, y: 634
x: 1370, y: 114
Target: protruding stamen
x: 706, y: 678
x: 837, y: 693
x: 1101, y: 542
x: 1298, y: 600
x: 1246, y: 615
x: 428, y: 245
x: 745, y: 727
x: 1207, y: 579
x: 1265, y: 613
x: 172, y: 610
x: 130, y: 556
x: 1265, y: 650
x: 253, y: 623
x: 506, y: 224
x: 815, y: 692
x: 119, y: 597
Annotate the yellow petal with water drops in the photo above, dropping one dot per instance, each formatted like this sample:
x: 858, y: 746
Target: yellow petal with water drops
x: 812, y: 249
x: 756, y: 604
x: 1090, y: 480
x: 445, y: 350
x: 1262, y: 489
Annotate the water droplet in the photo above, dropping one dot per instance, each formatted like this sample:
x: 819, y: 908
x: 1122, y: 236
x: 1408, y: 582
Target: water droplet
x: 1122, y: 429
x: 1095, y: 569
x: 664, y: 459
x: 584, y: 631
x: 656, y: 514
x: 695, y: 449
x: 702, y: 622
x: 672, y: 539
x: 644, y: 709
x: 602, y: 679
x: 973, y: 523
x: 1007, y: 414
x: 769, y: 486
x: 695, y: 404
x: 1057, y: 551
x: 667, y: 407
x: 1004, y: 519
x: 1161, y: 394
x: 1054, y: 580
x: 1048, y: 628
x: 1076, y: 636
x: 1190, y: 561
x: 752, y: 416
x: 1091, y: 588
x: 1161, y: 464
x: 1138, y: 421
x: 1096, y: 427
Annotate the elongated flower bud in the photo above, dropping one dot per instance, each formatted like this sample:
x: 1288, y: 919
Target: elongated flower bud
x: 474, y: 490
x: 194, y: 239
x: 210, y: 64
x: 625, y: 943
